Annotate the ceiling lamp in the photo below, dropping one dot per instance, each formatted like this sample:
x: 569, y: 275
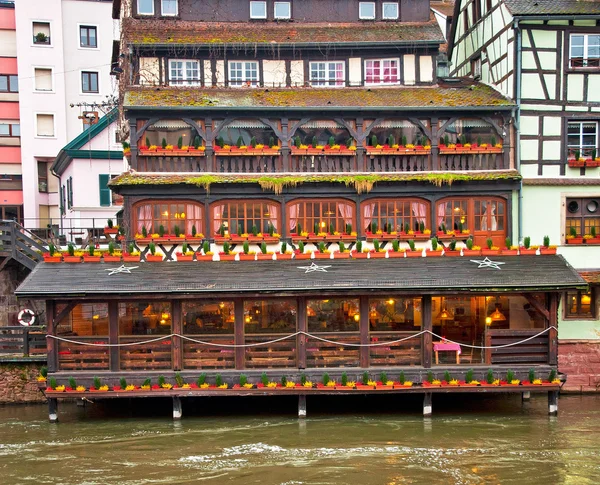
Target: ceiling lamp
x: 497, y: 315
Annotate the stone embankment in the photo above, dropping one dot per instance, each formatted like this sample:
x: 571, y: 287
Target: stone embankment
x: 580, y: 361
x: 18, y: 383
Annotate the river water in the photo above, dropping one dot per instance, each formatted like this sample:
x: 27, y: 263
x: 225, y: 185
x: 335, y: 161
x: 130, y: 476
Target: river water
x: 469, y: 440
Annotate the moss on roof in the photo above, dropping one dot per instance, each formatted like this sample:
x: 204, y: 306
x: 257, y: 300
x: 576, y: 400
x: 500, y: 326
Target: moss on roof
x: 478, y: 95
x: 276, y: 182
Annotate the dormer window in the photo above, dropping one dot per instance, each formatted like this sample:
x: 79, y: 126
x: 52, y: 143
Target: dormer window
x: 168, y: 8
x: 366, y: 10
x: 282, y: 10
x: 585, y: 50
x: 145, y: 7
x: 258, y: 10
x: 390, y: 11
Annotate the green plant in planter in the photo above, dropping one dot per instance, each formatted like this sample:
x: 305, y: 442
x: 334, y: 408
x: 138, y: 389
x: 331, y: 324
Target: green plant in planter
x: 396, y: 245
x: 349, y: 142
x: 297, y: 142
x: 443, y: 227
x: 508, y: 243
x: 365, y: 378
x: 404, y: 140
x: 546, y: 241
x: 226, y: 248
x: 197, y: 142
x: 531, y: 375
x: 271, y: 141
x: 263, y: 247
x: 489, y: 377
x: 489, y: 243
x: 434, y: 243
x: 177, y: 231
x: 331, y: 141
x: 184, y: 248
x: 179, y: 142
x: 91, y: 249
x: 383, y: 378
x: 44, y: 371
x: 246, y: 247
x: 164, y: 143
x: 123, y: 383
x: 239, y: 230
x: 283, y: 249
x: 401, y: 378
x: 147, y: 382
x: 130, y: 248
x: 72, y: 383
x: 470, y: 243
x: 161, y: 230
x: 161, y: 381
x: 446, y: 140
x: 342, y: 247
x: 110, y: 223
x: 331, y: 228
x: 447, y: 376
x: 593, y: 232
x: 460, y: 226
x: 479, y: 140
x: 392, y: 140
x: 253, y: 142
x: 376, y: 246
x: 510, y: 376
x: 359, y: 246
x: 194, y: 230
x: 430, y: 377
x: 52, y: 383
x: 316, y: 228
x: 374, y: 142
x: 283, y: 381
x: 243, y: 380
x: 240, y: 141
x: 111, y: 248
x: 301, y: 247
x: 201, y: 379
x: 205, y: 247
x: 421, y: 227
x: 493, y: 141
x: 264, y: 379
x: 314, y: 142
x: 51, y: 249
x: 71, y: 250
x: 147, y: 142
x: 325, y: 379
x: 271, y: 230
x: 152, y: 248
x: 144, y: 231
x: 552, y: 375
x: 299, y: 229
x: 254, y: 231
x: 469, y: 376
x: 452, y: 245
x: 527, y: 242
x: 374, y: 227
x: 303, y: 379
x: 344, y: 379
x: 97, y: 383
x: 411, y: 245
x: 322, y: 247
x: 218, y: 380
x: 348, y: 228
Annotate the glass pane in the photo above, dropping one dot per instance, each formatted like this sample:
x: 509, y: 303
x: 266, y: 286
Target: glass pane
x: 14, y: 84
x: 85, y: 320
x: 367, y: 10
x: 258, y: 10
x: 282, y: 10
x: 3, y: 83
x: 143, y: 318
x: 208, y: 317
x: 145, y: 6
x: 333, y: 315
x: 394, y: 314
x: 4, y: 129
x: 390, y: 10
x: 16, y: 130
x: 270, y: 316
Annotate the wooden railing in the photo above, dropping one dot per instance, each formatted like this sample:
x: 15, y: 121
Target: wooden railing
x: 325, y: 354
x: 23, y: 341
x: 407, y: 352
x: 202, y: 356
x: 83, y: 357
x: 147, y: 356
x: 275, y: 355
x: 21, y: 244
x: 324, y: 163
x: 463, y: 161
x: 534, y: 351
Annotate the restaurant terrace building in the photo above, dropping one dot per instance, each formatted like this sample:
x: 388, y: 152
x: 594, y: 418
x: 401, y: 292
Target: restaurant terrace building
x: 317, y: 200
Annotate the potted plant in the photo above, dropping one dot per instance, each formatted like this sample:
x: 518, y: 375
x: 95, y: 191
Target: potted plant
x: 284, y: 253
x: 358, y: 253
x: 546, y: 248
x: 41, y: 38
x: 384, y: 383
x: 592, y: 237
x: 511, y: 380
x: 377, y: 252
x: 132, y: 255
x: 112, y: 255
x: 185, y: 254
x: 365, y: 384
x: 52, y: 256
x: 509, y: 249
x: 342, y: 252
x: 413, y: 252
x: 396, y: 251
x: 322, y: 252
x: 451, y: 249
x: 469, y: 379
x: 471, y: 249
x: 300, y: 252
x: 92, y: 256
x: 71, y: 256
x: 246, y: 254
x: 154, y: 256
x: 110, y: 228
x: 573, y: 237
x: 490, y: 379
x: 491, y: 250
x: 436, y: 249
x: 206, y: 254
x: 431, y: 381
x: 527, y: 249
x: 226, y: 254
x: 402, y: 382
x: 264, y: 254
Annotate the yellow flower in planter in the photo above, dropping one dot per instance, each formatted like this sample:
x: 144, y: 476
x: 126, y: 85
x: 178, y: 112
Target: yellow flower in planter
x: 145, y: 388
x: 290, y: 384
x: 515, y: 382
x: 204, y: 386
x: 496, y: 382
x: 226, y: 147
x: 130, y: 387
x: 80, y: 388
x: 303, y: 147
x: 186, y: 386
x: 453, y: 382
x: 353, y: 148
x: 371, y: 383
x: 351, y: 384
x: 169, y: 147
x: 389, y: 383
x: 410, y: 146
x: 335, y: 147
x: 498, y: 145
x: 271, y: 384
x: 41, y: 379
x: 436, y: 382
x: 224, y: 386
x: 556, y: 381
x: 427, y: 147
x: 320, y: 147
x: 467, y: 145
x: 103, y: 388
x: 243, y: 147
x: 452, y: 145
x: 152, y: 147
x: 537, y: 382
x: 248, y: 385
x: 59, y: 388
x: 395, y: 145
x: 166, y: 385
x: 474, y: 383
x: 308, y: 384
x: 259, y: 146
x: 379, y: 147
x: 331, y: 384
x: 408, y: 383
x: 304, y: 234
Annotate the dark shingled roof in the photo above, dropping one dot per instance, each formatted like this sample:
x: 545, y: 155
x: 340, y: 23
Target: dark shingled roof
x: 463, y: 95
x: 426, y: 275
x: 553, y: 7
x: 445, y: 7
x: 211, y: 33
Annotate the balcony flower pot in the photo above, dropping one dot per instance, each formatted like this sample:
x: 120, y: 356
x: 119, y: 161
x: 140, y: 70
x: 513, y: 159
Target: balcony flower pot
x: 185, y: 257
x: 451, y: 254
x: 432, y: 254
x: 527, y: 252
x: 283, y: 256
x: 509, y: 252
x: 593, y: 241
x: 111, y: 230
x: 377, y: 254
x: 221, y: 239
x: 91, y: 259
x: 204, y: 257
x: 226, y: 257
x: 153, y: 258
x: 575, y: 240
x: 471, y: 252
x: 236, y: 239
x: 344, y: 255
x: 364, y: 387
x: 129, y: 258
x: 547, y: 250
x: 302, y: 256
x: 490, y: 252
x: 111, y: 259
x: 143, y: 240
x: 255, y: 239
x: 322, y: 255
x: 576, y: 163
x: 71, y: 259
x: 270, y: 239
x: 247, y: 257
x: 417, y: 253
x: 396, y: 254
x: 592, y: 163
x: 296, y: 238
x: 264, y: 257
x: 332, y: 237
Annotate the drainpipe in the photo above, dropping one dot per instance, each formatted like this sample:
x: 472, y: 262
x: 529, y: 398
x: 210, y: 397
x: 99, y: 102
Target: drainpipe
x: 59, y: 200
x: 518, y: 33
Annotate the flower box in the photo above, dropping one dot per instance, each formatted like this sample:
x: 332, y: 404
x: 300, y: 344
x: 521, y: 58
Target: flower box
x: 322, y: 255
x: 247, y: 257
x: 204, y: 257
x: 143, y: 240
x: 184, y: 257
x: 417, y: 253
x: 226, y: 257
x: 575, y: 240
x: 364, y: 387
x: 471, y: 252
x: 451, y: 236
x: 384, y: 387
x: 264, y: 257
x: 357, y: 255
x: 296, y: 238
x: 332, y: 237
x: 127, y: 258
x: 235, y: 239
x: 71, y: 259
x: 451, y: 254
x: 395, y: 254
x: 270, y: 239
x: 592, y: 163
x: 111, y: 259
x: 432, y: 254
x: 384, y: 236
x: 150, y: 258
x: 377, y: 254
x: 91, y: 259
x: 593, y: 241
x: 546, y: 251
x: 283, y: 256
x: 111, y: 230
x: 222, y: 239
x: 302, y: 256
x: 52, y: 259
x: 527, y: 252
x: 338, y: 255
x: 490, y: 252
x: 255, y: 239
x: 509, y: 252
x: 417, y: 236
x: 576, y: 163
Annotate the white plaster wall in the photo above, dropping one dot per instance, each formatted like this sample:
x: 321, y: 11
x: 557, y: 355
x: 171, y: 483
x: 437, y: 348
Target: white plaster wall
x: 297, y: 73
x: 207, y: 73
x: 529, y: 149
x: 274, y: 73
x: 409, y: 69
x: 575, y: 87
x: 551, y: 150
x: 104, y: 140
x: 552, y: 126
x: 86, y: 186
x: 354, y: 71
x: 544, y: 38
x: 531, y: 86
x: 594, y: 88
x: 149, y: 71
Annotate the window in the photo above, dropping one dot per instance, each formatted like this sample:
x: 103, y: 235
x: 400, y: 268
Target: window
x: 396, y: 214
x: 41, y: 33
x: 87, y: 36
x: 393, y: 313
x: 145, y: 7
x: 270, y: 316
x: 476, y: 67
x: 89, y: 82
x: 390, y: 11
x: 43, y: 79
x: 69, y: 192
x: 108, y: 198
x: 327, y: 74
x: 9, y: 83
x: 243, y: 73
x: 168, y: 7
x: 184, y: 73
x: 583, y: 214
x: 145, y: 318
x: 282, y: 10
x: 10, y: 129
x: 239, y: 217
x: 42, y: 177
x: 580, y: 304
x: 208, y: 317
x: 582, y: 137
x: 183, y: 214
x: 585, y: 50
x: 382, y: 71
x: 258, y: 10
x: 333, y: 315
x: 44, y: 125
x: 85, y: 320
x: 320, y: 215
x: 366, y: 10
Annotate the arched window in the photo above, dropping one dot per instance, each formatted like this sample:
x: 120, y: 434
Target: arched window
x: 240, y: 216
x: 168, y: 213
x: 394, y: 214
x: 318, y: 215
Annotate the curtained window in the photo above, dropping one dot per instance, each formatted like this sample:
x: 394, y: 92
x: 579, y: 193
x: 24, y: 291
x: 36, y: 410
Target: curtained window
x: 394, y: 214
x: 240, y: 216
x: 183, y: 214
x: 320, y: 215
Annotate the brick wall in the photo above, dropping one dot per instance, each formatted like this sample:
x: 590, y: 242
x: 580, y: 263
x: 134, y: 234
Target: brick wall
x: 580, y: 360
x: 18, y: 383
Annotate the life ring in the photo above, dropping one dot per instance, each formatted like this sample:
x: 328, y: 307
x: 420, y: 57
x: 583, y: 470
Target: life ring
x: 26, y: 317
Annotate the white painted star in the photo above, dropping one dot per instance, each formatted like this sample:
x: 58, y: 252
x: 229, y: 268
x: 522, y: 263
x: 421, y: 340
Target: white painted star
x: 487, y: 263
x: 121, y: 269
x: 314, y: 267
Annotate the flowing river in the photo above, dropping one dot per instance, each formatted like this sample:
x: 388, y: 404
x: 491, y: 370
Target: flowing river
x: 375, y: 440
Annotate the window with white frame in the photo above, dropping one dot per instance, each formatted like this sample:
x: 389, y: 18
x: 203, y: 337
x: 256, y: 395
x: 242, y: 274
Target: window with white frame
x: 184, y: 72
x: 585, y: 50
x: 243, y: 73
x: 366, y: 10
x: 42, y: 79
x: 582, y: 137
x: 168, y: 7
x: 327, y: 73
x: 44, y: 125
x: 89, y: 82
x: 390, y: 11
x: 382, y: 71
x: 88, y: 36
x: 258, y: 10
x: 145, y: 7
x: 282, y: 10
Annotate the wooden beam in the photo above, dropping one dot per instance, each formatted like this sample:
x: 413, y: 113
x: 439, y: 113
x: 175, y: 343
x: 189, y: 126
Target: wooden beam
x: 178, y: 329
x: 427, y: 324
x: 302, y: 326
x: 113, y: 334
x: 64, y: 312
x: 537, y: 306
x: 51, y: 344
x: 553, y: 333
x: 240, y: 353
x: 364, y: 331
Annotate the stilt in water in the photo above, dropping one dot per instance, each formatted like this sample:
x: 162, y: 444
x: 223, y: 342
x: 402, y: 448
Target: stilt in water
x: 427, y: 404
x: 553, y: 403
x: 526, y: 396
x: 177, y: 409
x: 53, y: 410
x: 302, y: 406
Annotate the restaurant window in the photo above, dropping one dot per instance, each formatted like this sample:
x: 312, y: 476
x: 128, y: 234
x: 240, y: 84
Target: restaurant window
x: 243, y: 73
x: 327, y: 74
x: 366, y: 10
x: 184, y: 72
x: 580, y: 304
x: 389, y: 11
x: 475, y: 214
x: 320, y: 215
x: 9, y: 83
x: 382, y: 71
x: 394, y: 314
x: 583, y: 214
x: 208, y: 317
x: 395, y: 214
x: 169, y: 214
x: 333, y: 315
x: 88, y: 36
x: 85, y: 320
x: 270, y: 316
x: 145, y: 318
x: 241, y: 216
x: 585, y: 50
x: 89, y: 82
x: 582, y: 137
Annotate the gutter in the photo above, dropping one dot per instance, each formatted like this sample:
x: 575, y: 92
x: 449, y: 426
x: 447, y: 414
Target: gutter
x: 269, y: 45
x: 518, y: 33
x: 59, y: 196
x: 322, y: 108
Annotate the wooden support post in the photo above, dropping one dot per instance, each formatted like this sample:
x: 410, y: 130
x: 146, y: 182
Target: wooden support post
x: 240, y: 354
x: 51, y: 344
x: 526, y: 396
x: 302, y: 406
x: 426, y: 340
x: 113, y: 335
x: 552, y: 333
x: 364, y: 332
x: 553, y: 403
x: 178, y: 329
x: 488, y: 343
x: 80, y: 403
x: 177, y: 409
x: 302, y: 326
x: 427, y: 404
x: 53, y: 410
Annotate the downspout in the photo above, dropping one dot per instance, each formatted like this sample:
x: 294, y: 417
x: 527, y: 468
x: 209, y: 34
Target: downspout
x: 518, y: 129
x: 59, y: 199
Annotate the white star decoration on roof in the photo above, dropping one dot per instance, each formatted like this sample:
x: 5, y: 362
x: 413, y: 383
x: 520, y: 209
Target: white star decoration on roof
x: 487, y: 263
x: 314, y: 267
x: 121, y: 269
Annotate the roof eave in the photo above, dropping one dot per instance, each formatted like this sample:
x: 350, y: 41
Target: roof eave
x: 506, y: 107
x: 170, y: 45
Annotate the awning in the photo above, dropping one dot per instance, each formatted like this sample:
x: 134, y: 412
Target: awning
x: 424, y: 275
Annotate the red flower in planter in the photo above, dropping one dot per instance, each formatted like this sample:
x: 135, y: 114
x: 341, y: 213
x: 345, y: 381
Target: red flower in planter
x: 155, y: 387
x: 116, y: 388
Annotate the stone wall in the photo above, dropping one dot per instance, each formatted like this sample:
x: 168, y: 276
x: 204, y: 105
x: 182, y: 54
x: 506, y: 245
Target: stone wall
x: 580, y: 361
x: 18, y: 383
x: 11, y: 277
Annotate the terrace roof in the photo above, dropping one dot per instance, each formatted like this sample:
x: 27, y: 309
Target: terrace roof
x: 424, y: 275
x: 536, y: 8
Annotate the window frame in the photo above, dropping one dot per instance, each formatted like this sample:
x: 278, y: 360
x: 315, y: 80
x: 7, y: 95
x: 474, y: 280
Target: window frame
x: 585, y: 58
x: 582, y: 214
x: 396, y: 202
x: 49, y: 37
x: 328, y: 82
x: 360, y: 13
x: 381, y: 68
x: 162, y: 10
x: 214, y: 227
x: 11, y: 130
x: 324, y: 217
x: 185, y: 81
x: 471, y: 215
x: 89, y: 74
x: 583, y: 149
x: 278, y: 17
x: 199, y: 222
x: 578, y: 294
x: 47, y: 68
x: 138, y: 12
x: 395, y: 4
x: 243, y: 81
x: 9, y: 83
x: 88, y: 27
x: 255, y: 3
x: 45, y: 137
